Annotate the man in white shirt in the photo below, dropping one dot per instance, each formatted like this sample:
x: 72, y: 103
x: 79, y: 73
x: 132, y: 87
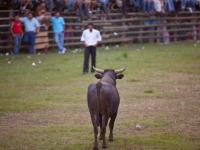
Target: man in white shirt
x: 90, y: 37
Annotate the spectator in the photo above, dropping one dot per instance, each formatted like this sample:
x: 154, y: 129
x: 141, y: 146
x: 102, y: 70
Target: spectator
x: 58, y: 24
x: 198, y: 31
x: 136, y: 5
x: 103, y: 6
x: 43, y: 38
x: 25, y: 4
x: 198, y: 5
x: 17, y: 32
x: 16, y: 4
x: 82, y: 9
x: 165, y: 33
x: 192, y: 4
x: 90, y: 37
x: 70, y: 4
x: 31, y: 25
x: 169, y: 5
x: 124, y: 6
x: 119, y: 3
x: 59, y: 5
x: 148, y: 6
x: 177, y: 4
x: 41, y: 9
x: 50, y: 5
x: 158, y: 6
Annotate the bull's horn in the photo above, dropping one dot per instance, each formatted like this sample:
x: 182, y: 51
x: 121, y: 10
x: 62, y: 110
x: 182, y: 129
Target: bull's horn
x: 120, y: 70
x: 98, y: 70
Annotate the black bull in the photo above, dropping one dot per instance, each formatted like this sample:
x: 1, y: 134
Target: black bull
x: 103, y: 102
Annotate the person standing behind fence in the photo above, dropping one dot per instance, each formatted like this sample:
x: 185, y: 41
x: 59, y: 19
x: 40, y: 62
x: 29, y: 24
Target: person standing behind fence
x: 103, y: 6
x: 90, y: 37
x: 158, y: 6
x: 17, y: 33
x: 58, y: 24
x: 32, y: 27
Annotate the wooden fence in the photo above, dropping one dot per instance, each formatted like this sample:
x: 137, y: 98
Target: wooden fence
x: 134, y: 27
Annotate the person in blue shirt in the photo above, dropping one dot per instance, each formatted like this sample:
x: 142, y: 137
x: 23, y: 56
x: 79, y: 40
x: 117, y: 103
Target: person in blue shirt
x: 58, y: 25
x: 32, y: 27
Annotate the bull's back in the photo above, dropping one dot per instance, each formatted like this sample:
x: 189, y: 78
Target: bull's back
x: 110, y: 98
x: 103, y: 99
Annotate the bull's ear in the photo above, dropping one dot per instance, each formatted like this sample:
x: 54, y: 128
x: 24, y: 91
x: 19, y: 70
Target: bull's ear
x: 98, y: 75
x: 120, y: 76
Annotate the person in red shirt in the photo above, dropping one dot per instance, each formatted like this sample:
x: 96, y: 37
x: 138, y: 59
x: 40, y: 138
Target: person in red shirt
x: 17, y: 33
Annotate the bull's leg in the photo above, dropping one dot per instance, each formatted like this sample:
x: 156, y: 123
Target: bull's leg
x: 95, y: 138
x: 111, y: 126
x: 95, y: 127
x: 104, y: 124
x: 100, y: 123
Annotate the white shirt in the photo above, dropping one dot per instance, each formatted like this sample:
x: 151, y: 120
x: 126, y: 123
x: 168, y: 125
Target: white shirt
x: 91, y: 38
x: 30, y: 24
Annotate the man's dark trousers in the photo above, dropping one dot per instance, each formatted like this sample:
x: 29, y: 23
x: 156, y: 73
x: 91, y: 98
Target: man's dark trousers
x: 90, y: 50
x: 29, y: 38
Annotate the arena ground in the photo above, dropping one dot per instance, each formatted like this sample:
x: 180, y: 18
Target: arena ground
x: 43, y: 99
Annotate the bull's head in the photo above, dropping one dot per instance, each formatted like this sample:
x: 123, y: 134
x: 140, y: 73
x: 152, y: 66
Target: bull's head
x: 115, y: 74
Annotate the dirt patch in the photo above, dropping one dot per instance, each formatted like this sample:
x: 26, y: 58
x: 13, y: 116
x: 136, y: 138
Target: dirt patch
x: 43, y: 118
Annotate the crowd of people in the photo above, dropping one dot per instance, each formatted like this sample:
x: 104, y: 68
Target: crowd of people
x: 86, y: 7
x: 44, y: 17
x: 29, y: 26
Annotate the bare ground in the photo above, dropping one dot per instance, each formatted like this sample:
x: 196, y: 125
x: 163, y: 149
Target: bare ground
x: 173, y: 105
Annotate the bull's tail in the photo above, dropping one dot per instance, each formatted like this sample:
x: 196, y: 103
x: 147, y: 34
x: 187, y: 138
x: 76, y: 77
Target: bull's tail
x: 98, y: 86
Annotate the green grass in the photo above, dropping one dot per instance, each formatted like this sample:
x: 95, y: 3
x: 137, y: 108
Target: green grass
x: 44, y: 106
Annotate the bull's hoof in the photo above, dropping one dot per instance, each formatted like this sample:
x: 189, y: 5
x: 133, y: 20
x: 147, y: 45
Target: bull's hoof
x: 104, y: 146
x: 110, y: 139
x: 95, y: 148
x: 100, y: 137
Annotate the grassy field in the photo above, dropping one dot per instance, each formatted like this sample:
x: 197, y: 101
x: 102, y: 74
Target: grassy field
x: 44, y: 107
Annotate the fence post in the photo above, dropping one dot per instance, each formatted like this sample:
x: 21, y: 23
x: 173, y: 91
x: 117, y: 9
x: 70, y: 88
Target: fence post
x: 176, y: 27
